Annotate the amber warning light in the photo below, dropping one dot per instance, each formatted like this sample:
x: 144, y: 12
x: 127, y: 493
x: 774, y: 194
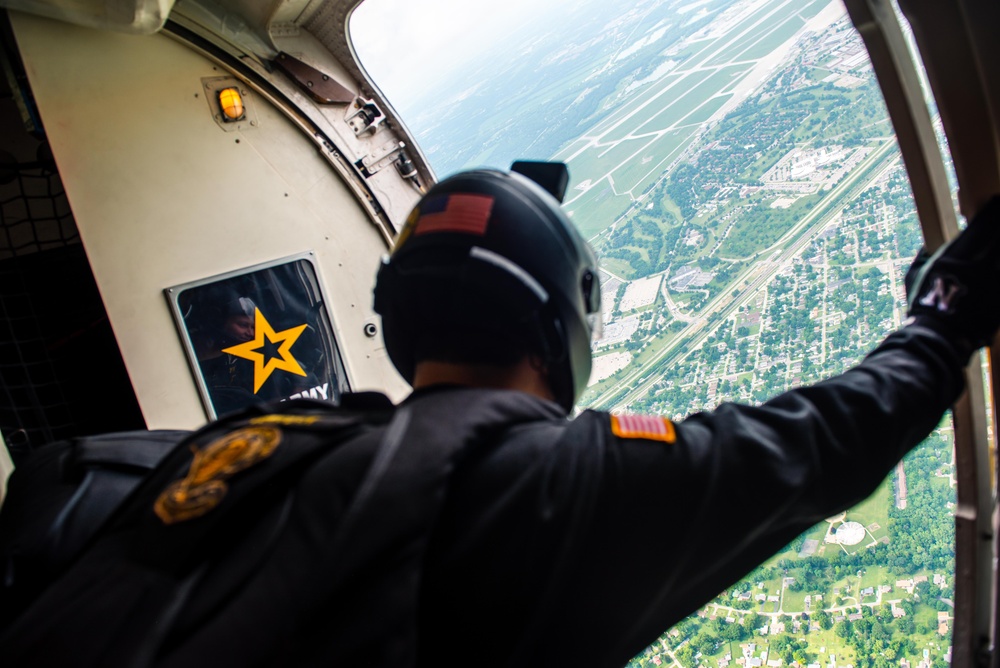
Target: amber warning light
x: 231, y: 103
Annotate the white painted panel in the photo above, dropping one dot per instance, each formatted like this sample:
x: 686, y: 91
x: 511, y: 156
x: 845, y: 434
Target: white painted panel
x: 162, y: 196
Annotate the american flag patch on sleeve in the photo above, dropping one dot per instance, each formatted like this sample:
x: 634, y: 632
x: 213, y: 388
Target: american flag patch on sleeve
x: 650, y: 427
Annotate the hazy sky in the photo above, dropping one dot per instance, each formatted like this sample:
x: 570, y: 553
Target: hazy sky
x: 403, y: 43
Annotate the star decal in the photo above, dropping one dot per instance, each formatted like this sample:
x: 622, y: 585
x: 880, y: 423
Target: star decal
x: 250, y: 350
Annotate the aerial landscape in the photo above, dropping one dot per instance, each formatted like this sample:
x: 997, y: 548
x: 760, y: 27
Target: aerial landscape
x: 734, y: 166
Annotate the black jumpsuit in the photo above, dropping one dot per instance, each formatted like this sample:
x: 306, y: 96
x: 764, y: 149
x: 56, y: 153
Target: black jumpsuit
x: 558, y: 542
x: 566, y: 545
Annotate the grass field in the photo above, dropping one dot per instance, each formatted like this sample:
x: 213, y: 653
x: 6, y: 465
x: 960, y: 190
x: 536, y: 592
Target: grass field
x: 665, y: 97
x: 688, y: 96
x: 606, y: 159
x: 631, y: 111
x: 615, y: 266
x: 597, y: 208
x: 674, y: 107
x: 705, y: 111
x: 597, y: 161
x: 874, y: 509
x: 749, y: 29
x: 768, y: 35
x: 652, y: 177
x: 632, y: 175
x: 794, y: 601
x: 772, y: 40
x: 873, y: 576
x: 626, y: 105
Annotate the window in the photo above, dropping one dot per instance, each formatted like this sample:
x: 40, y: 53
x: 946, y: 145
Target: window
x: 259, y: 335
x: 734, y: 166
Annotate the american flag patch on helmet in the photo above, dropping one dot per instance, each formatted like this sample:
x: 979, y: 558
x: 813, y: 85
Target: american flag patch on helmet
x: 456, y: 212
x: 651, y: 427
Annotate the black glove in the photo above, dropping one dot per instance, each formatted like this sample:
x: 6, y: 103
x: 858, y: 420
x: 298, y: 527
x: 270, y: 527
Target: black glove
x: 957, y: 290
x: 911, y: 274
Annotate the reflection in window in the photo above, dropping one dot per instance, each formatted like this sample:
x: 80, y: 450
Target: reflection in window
x: 261, y: 335
x: 734, y: 166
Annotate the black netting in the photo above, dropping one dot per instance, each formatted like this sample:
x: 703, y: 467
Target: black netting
x: 61, y: 373
x: 34, y: 217
x: 34, y: 213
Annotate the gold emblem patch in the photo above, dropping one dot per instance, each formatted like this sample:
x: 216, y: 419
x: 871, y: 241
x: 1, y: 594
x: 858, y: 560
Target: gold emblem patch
x: 204, y: 486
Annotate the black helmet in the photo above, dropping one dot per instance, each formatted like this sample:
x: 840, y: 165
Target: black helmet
x: 486, y: 263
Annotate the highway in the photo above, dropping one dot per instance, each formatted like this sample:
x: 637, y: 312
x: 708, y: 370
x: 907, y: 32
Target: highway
x: 636, y: 383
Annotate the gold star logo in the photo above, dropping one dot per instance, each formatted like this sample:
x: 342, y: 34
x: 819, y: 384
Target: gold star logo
x: 250, y: 350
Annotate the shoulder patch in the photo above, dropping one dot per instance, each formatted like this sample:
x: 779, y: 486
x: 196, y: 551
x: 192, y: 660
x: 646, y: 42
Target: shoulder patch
x: 204, y: 486
x: 650, y: 427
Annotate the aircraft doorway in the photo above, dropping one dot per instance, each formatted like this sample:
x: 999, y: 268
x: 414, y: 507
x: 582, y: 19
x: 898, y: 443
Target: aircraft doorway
x: 60, y: 370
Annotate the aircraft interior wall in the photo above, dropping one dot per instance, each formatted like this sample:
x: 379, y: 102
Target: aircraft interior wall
x: 60, y: 369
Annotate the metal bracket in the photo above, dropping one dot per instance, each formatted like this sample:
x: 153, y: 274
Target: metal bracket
x: 380, y: 158
x: 319, y: 86
x: 367, y: 118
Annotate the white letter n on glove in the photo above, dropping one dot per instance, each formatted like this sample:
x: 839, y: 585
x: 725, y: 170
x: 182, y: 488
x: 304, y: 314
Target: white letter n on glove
x: 940, y: 295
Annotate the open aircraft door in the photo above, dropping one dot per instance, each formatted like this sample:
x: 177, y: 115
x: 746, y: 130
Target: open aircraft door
x: 961, y: 57
x: 231, y: 166
x: 292, y: 194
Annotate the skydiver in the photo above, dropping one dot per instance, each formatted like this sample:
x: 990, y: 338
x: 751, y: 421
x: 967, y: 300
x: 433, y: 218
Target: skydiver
x: 476, y: 523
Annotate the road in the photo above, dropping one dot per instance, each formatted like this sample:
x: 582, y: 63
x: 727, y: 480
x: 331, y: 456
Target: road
x: 637, y: 382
